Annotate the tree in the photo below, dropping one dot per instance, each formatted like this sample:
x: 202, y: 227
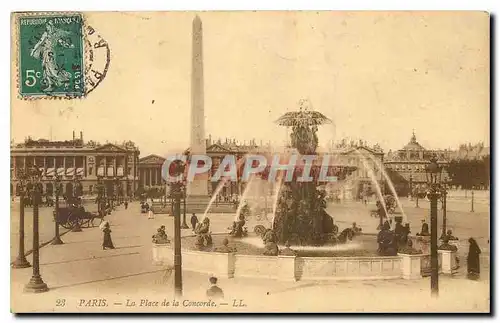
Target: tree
x: 470, y: 173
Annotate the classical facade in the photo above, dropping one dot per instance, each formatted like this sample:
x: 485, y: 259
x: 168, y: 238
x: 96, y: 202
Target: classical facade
x: 407, y: 165
x: 150, y: 171
x: 74, y: 160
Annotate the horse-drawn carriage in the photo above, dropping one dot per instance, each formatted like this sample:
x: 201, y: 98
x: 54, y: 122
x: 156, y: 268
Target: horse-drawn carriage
x: 69, y: 216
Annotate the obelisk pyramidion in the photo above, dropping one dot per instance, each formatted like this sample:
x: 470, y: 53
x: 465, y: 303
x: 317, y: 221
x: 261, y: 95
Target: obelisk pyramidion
x: 198, y: 145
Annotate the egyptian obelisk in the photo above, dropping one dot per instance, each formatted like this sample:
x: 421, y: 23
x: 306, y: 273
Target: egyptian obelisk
x: 199, y: 187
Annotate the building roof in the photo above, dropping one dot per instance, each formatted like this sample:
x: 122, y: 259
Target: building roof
x: 152, y: 159
x: 413, y: 144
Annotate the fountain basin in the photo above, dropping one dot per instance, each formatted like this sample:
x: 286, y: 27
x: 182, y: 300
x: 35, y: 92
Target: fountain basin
x: 288, y: 268
x: 300, y: 267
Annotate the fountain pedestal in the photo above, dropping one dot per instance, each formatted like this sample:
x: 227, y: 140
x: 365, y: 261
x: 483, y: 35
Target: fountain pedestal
x: 286, y: 265
x: 410, y: 266
x: 448, y: 261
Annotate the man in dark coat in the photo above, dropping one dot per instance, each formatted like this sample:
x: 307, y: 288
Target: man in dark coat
x: 194, y: 221
x: 473, y: 260
x: 214, y: 291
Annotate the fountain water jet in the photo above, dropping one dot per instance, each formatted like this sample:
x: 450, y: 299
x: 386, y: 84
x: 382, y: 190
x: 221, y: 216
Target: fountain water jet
x: 215, y: 194
x: 276, y: 195
x: 391, y: 187
x: 220, y: 186
x: 374, y: 180
x: 243, y: 198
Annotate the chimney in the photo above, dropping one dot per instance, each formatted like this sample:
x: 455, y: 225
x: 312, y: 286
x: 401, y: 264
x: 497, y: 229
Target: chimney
x: 73, y: 135
x: 81, y: 136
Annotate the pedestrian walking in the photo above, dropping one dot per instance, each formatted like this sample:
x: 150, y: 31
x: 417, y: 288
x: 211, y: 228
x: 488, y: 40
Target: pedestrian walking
x: 107, y: 242
x: 126, y: 205
x: 151, y: 214
x: 473, y: 260
x: 194, y: 221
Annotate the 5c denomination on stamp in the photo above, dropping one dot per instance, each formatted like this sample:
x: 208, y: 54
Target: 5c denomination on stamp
x: 51, y: 55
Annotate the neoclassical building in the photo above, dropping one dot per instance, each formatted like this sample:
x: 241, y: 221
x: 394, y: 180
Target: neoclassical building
x: 150, y: 171
x: 75, y: 159
x: 407, y: 165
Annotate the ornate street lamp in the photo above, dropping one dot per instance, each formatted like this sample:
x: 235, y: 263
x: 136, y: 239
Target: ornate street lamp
x: 411, y: 187
x: 433, y: 173
x: 184, y: 193
x: 36, y: 284
x: 100, y: 195
x: 444, y: 193
x: 57, y: 185
x: 76, y: 227
x: 21, y: 261
x: 176, y: 191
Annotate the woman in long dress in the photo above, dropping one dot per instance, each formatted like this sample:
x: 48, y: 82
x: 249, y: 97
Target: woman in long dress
x: 473, y: 260
x: 107, y: 242
x: 151, y: 214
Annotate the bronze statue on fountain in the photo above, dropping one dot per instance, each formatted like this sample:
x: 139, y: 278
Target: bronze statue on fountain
x: 238, y: 229
x: 301, y: 217
x: 203, y: 234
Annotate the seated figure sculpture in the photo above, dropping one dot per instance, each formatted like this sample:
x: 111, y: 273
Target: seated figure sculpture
x: 270, y: 243
x: 287, y: 251
x: 238, y: 229
x: 225, y: 248
x: 346, y: 235
x: 203, y: 236
x: 161, y: 236
x: 409, y: 249
x: 357, y: 230
x: 450, y: 236
x: 387, y: 246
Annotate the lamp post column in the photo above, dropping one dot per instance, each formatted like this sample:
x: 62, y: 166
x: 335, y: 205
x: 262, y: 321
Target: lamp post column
x: 184, y: 224
x: 57, y: 239
x: 177, y: 241
x: 36, y: 284
x: 472, y: 203
x: 443, y: 233
x: 434, y: 254
x: 21, y: 261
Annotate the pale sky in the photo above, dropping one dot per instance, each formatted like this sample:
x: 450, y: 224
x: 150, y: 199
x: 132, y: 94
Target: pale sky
x: 377, y: 75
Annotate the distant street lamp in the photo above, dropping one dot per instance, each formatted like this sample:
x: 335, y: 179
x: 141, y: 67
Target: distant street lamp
x: 184, y: 193
x: 76, y: 204
x: 36, y: 284
x: 411, y: 187
x: 433, y: 172
x: 57, y: 239
x: 444, y: 194
x: 176, y: 193
x: 21, y: 261
x: 176, y: 189
x: 472, y: 203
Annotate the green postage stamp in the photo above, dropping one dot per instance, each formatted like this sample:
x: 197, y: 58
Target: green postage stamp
x: 51, y: 55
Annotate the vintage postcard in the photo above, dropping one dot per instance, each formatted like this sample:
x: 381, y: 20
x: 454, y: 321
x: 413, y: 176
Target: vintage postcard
x: 244, y: 162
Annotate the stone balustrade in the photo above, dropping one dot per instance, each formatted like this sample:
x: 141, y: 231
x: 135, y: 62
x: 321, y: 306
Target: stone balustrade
x: 293, y: 268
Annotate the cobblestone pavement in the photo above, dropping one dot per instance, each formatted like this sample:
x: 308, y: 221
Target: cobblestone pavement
x: 80, y: 270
